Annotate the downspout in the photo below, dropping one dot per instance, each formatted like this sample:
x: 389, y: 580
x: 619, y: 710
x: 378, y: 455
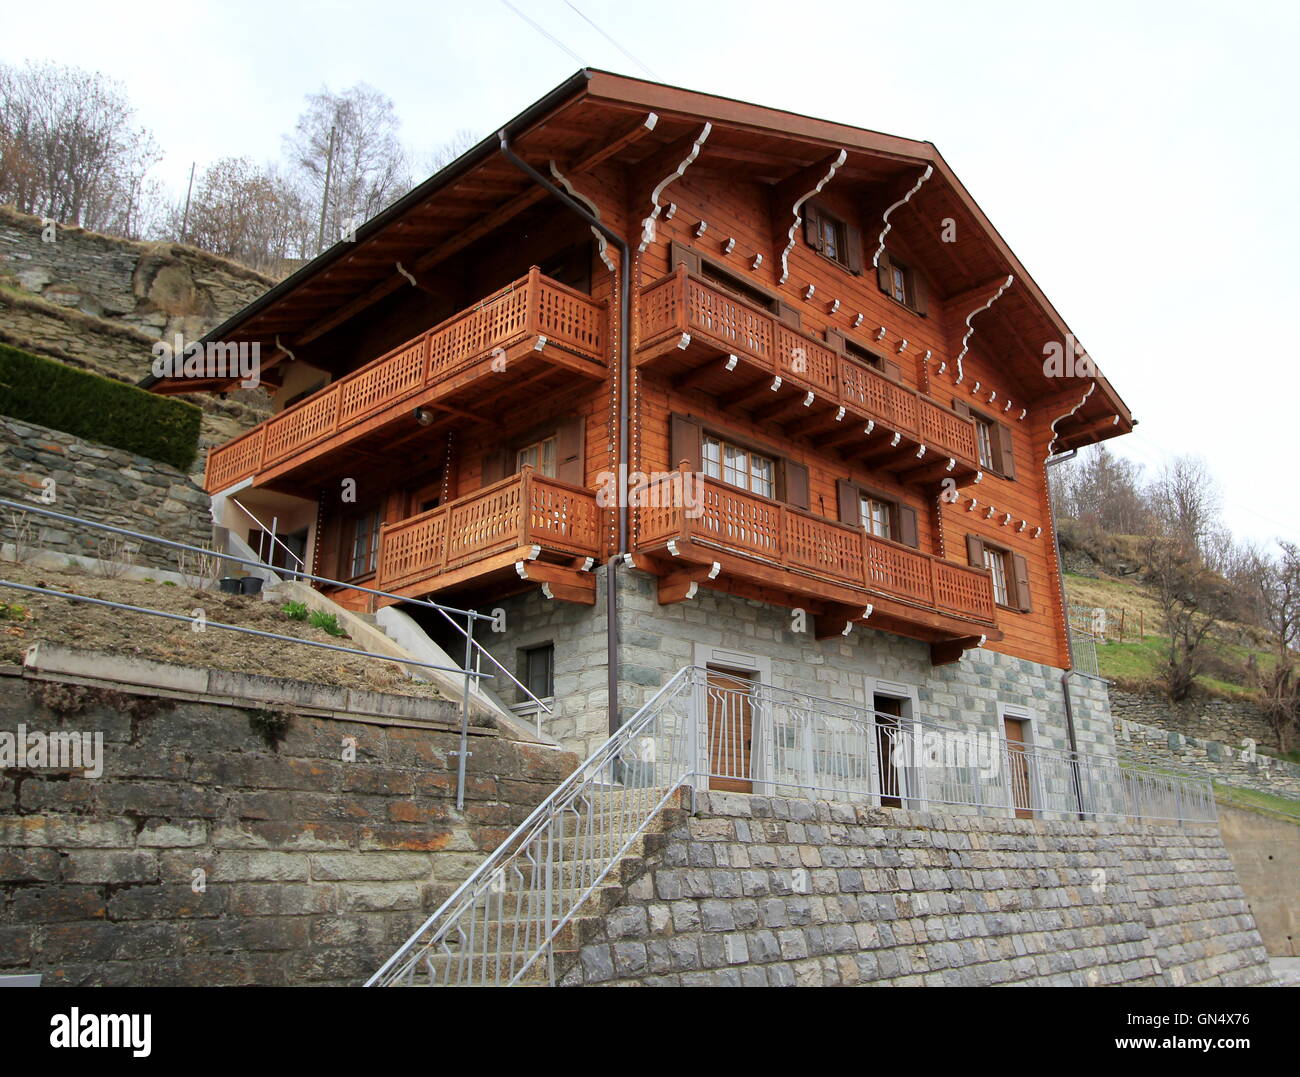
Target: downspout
x: 624, y: 332
x: 1065, y: 612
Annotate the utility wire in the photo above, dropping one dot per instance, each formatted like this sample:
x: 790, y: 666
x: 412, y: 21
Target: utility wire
x: 607, y: 37
x: 545, y: 33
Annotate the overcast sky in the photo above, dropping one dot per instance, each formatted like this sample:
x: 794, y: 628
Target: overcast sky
x: 1141, y: 159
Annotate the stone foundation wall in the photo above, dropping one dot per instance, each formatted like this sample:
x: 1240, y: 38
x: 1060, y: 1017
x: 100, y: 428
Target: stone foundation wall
x: 315, y: 861
x: 98, y: 483
x: 657, y: 641
x: 760, y: 890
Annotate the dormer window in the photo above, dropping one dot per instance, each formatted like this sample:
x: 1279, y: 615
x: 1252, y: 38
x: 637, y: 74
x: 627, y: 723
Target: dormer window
x: 833, y: 238
x: 901, y: 283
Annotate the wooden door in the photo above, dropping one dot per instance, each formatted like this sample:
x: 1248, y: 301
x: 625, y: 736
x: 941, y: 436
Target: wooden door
x: 731, y: 729
x: 1018, y: 768
x: 889, y: 712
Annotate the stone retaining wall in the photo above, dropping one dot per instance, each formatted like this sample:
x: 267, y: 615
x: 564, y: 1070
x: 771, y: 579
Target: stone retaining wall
x: 107, y: 485
x: 203, y: 857
x: 1226, y: 720
x: 1213, y: 759
x: 759, y: 890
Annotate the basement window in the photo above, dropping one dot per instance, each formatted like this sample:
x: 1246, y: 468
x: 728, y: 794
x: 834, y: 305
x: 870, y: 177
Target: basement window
x: 537, y: 670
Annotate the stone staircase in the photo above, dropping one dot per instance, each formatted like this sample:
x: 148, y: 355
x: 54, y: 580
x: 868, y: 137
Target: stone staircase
x: 498, y: 946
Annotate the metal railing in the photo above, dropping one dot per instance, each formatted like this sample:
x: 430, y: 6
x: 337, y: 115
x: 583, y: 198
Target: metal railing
x: 269, y: 533
x: 505, y: 924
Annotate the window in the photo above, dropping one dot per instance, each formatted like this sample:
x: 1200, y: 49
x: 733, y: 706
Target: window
x: 831, y: 237
x: 364, y: 545
x: 537, y: 670
x: 739, y: 466
x: 984, y: 440
x: 996, y: 562
x: 877, y: 516
x: 901, y: 284
x: 540, y: 456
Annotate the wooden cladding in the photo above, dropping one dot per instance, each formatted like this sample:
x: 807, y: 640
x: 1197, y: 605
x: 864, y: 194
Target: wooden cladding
x: 772, y: 532
x: 531, y: 307
x: 523, y: 510
x: 684, y: 304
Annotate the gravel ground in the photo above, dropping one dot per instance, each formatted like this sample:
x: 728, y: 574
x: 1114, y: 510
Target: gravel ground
x: 100, y: 628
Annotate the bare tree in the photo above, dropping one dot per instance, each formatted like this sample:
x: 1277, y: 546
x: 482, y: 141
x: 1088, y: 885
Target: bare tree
x: 1186, y: 501
x: 1100, y: 489
x: 441, y: 156
x: 68, y: 149
x: 1193, y: 600
x: 1279, y: 593
x: 364, y: 158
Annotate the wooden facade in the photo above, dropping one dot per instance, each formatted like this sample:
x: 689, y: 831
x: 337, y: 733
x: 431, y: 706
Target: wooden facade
x: 825, y: 305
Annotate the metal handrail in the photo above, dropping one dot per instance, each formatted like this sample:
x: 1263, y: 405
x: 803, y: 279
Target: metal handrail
x: 506, y: 917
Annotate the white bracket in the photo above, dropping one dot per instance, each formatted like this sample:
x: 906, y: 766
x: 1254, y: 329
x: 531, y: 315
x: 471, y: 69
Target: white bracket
x: 672, y: 547
x: 700, y: 228
x: 880, y: 333
x: 808, y: 294
x: 729, y: 246
x: 807, y: 400
x: 776, y: 383
x: 684, y: 341
x: 871, y: 425
x: 839, y: 415
x: 671, y: 211
x: 868, y: 612
x: 835, y: 306
x: 546, y: 590
x: 858, y: 320
x: 732, y: 360
x: 758, y: 261
x: 713, y: 572
x: 691, y: 590
x: 588, y: 562
x: 902, y: 346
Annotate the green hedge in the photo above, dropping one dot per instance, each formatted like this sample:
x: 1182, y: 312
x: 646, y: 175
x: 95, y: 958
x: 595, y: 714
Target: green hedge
x: 46, y: 392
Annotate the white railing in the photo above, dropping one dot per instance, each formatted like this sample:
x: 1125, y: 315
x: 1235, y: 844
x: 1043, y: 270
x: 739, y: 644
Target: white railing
x: 505, y: 924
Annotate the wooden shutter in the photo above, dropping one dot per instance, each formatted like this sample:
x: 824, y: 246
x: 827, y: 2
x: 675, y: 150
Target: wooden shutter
x: 885, y: 275
x: 786, y: 313
x: 975, y: 550
x: 680, y: 253
x: 687, y: 443
x: 812, y: 227
x: 1006, y: 459
x: 570, y: 464
x: 892, y: 370
x: 836, y: 341
x: 1022, y: 596
x: 497, y: 464
x: 907, y: 532
x: 853, y: 252
x: 849, y: 499
x: 961, y: 408
x: 920, y: 300
x: 796, y: 484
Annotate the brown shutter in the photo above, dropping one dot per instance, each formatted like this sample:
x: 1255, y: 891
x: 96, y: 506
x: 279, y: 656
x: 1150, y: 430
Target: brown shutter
x: 796, y: 484
x: 975, y: 550
x: 679, y: 252
x: 853, y: 241
x: 1006, y: 459
x: 892, y: 370
x: 570, y: 465
x: 787, y: 314
x: 961, y: 408
x: 497, y: 464
x: 687, y: 443
x: 812, y: 227
x: 884, y: 275
x: 920, y: 300
x: 1022, y: 597
x: 907, y: 533
x: 850, y: 503
x: 835, y: 340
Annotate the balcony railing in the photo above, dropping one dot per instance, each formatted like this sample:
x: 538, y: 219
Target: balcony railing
x: 790, y: 538
x: 685, y: 304
x: 533, y: 306
x: 527, y: 509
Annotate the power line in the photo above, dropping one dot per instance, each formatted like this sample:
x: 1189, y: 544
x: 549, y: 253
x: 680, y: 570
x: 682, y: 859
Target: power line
x: 545, y: 33
x: 616, y: 45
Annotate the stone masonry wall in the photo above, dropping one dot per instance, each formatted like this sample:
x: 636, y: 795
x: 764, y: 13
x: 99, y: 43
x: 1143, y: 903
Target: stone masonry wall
x: 99, y: 483
x: 1222, y: 762
x: 1224, y: 720
x: 760, y: 890
x: 316, y: 867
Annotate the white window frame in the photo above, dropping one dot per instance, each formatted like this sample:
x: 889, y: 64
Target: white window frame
x: 913, y: 798
x: 1029, y: 723
x: 760, y: 759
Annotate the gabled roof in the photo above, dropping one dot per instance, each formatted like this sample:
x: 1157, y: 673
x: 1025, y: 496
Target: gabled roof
x: 596, y: 116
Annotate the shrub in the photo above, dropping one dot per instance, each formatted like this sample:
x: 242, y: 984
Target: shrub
x: 38, y: 390
x: 295, y: 611
x: 326, y: 622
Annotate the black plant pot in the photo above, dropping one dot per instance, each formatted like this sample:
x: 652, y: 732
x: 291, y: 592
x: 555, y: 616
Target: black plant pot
x: 251, y: 585
x: 229, y: 585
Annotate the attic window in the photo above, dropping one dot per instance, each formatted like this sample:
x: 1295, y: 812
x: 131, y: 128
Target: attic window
x: 833, y: 238
x: 900, y: 284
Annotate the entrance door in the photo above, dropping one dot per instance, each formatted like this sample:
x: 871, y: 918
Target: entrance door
x: 889, y: 713
x: 731, y: 729
x: 1018, y: 768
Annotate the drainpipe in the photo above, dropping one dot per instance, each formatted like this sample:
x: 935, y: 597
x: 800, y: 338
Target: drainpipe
x: 624, y: 374
x: 1065, y: 610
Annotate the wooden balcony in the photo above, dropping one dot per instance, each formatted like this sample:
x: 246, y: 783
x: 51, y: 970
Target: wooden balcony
x: 783, y: 554
x: 704, y: 338
x: 524, y: 529
x: 480, y: 364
